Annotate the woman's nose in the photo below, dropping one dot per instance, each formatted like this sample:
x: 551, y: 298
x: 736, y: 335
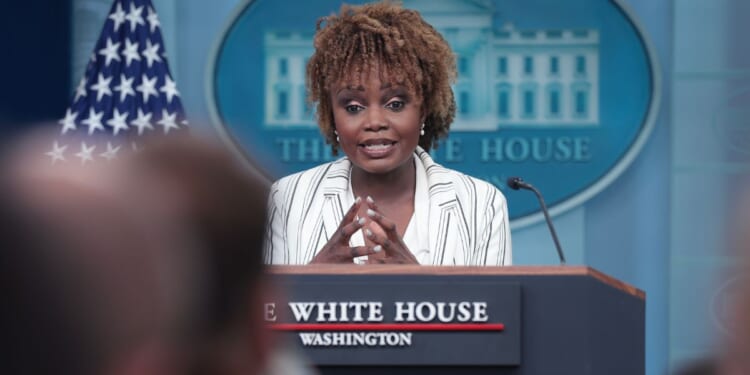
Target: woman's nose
x: 376, y: 119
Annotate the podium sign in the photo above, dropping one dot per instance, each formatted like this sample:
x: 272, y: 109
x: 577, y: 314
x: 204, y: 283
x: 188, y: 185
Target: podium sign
x: 402, y: 320
x: 366, y: 320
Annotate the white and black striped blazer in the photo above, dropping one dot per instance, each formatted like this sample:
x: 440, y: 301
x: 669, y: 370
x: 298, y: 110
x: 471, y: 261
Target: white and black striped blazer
x: 467, y: 225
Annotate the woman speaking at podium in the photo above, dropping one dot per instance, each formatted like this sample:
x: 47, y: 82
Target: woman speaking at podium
x: 380, y: 77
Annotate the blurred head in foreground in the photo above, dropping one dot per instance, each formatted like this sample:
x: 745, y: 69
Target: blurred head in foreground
x: 735, y: 359
x: 225, y: 209
x: 147, y: 265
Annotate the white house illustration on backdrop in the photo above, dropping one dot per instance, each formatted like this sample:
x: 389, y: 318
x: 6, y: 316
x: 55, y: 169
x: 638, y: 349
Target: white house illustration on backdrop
x: 506, y: 77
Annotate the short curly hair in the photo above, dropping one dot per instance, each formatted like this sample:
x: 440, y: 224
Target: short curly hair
x: 400, y: 42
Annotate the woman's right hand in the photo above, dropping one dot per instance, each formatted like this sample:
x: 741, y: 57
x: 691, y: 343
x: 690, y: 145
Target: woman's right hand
x: 337, y: 250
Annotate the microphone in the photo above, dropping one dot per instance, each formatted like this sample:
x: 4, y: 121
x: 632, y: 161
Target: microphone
x: 517, y: 183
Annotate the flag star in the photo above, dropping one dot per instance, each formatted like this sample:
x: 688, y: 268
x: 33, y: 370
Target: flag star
x: 57, y: 152
x: 117, y: 122
x: 134, y: 16
x: 102, y: 87
x: 169, y: 88
x: 118, y: 17
x: 111, y: 152
x: 69, y: 122
x: 153, y: 19
x: 185, y: 122
x: 125, y: 87
x: 94, y: 121
x: 168, y: 121
x: 110, y: 52
x: 142, y: 121
x: 81, y: 89
x: 147, y: 87
x: 151, y: 53
x: 130, y: 52
x: 86, y: 153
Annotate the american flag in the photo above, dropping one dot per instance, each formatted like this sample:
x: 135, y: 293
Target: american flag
x: 126, y: 93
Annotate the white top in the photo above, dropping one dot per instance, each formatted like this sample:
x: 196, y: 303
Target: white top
x: 415, y: 237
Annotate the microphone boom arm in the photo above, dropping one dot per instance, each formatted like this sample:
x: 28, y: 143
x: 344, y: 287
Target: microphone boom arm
x: 516, y: 183
x: 549, y: 222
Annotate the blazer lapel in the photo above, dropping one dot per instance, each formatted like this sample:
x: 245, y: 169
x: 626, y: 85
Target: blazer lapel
x: 326, y: 208
x: 444, y: 215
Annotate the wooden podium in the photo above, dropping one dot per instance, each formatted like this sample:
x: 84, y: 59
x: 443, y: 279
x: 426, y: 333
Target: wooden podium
x: 553, y: 320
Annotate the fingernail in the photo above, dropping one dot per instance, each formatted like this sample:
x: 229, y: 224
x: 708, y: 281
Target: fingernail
x: 370, y: 213
x: 369, y: 199
x: 377, y: 248
x: 361, y: 221
x: 368, y: 233
x: 359, y: 199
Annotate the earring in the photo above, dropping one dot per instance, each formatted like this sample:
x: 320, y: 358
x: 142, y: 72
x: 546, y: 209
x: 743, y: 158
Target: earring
x: 421, y: 131
x: 337, y: 136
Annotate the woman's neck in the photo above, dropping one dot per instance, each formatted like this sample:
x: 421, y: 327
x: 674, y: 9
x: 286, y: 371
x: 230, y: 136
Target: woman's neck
x: 397, y: 183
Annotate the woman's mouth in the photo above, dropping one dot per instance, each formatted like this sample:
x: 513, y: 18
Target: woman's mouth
x: 377, y: 148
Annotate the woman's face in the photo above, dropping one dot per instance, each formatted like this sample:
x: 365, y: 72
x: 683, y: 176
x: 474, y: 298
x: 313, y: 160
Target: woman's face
x: 378, y: 123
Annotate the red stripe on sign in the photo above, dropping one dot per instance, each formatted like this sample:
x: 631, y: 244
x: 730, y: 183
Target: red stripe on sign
x: 388, y: 327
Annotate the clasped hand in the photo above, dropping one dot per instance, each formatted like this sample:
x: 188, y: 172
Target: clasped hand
x: 377, y: 228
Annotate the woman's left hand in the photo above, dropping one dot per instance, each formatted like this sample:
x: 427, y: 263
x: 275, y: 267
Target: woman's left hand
x: 396, y: 251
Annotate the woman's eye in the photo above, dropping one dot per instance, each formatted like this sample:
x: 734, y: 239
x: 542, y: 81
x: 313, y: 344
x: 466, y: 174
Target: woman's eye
x: 353, y: 108
x: 396, y: 105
